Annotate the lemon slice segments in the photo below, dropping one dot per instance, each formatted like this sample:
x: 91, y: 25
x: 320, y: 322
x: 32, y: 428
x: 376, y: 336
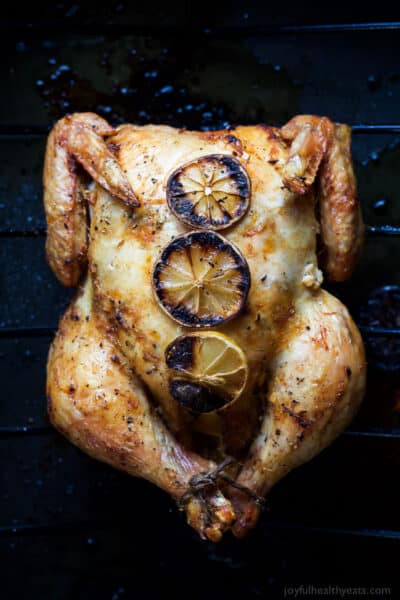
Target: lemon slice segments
x: 208, y: 371
x: 201, y: 279
x: 211, y: 192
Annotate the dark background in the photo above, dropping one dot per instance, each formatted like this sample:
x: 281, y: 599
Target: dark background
x: 72, y: 528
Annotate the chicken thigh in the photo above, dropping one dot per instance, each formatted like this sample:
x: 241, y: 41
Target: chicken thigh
x: 200, y: 351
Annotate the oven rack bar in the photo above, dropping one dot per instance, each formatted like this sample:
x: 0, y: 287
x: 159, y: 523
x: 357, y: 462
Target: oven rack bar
x: 76, y: 27
x: 379, y: 331
x: 83, y: 527
x: 382, y: 230
x: 37, y: 332
x: 27, y: 233
x: 372, y: 230
x: 24, y: 130
x: 38, y: 430
x: 26, y: 332
x: 374, y: 128
x: 33, y: 332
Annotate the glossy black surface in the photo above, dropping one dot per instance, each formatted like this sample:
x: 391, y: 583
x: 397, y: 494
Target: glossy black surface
x: 72, y: 528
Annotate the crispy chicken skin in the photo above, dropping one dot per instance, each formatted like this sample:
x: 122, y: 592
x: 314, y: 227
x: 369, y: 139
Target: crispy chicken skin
x: 76, y: 140
x: 107, y: 381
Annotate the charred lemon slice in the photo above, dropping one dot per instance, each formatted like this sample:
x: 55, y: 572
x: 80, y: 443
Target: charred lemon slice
x: 211, y: 192
x: 208, y: 370
x: 201, y: 279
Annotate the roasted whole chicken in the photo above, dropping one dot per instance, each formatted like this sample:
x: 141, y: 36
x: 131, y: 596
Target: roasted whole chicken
x: 200, y: 351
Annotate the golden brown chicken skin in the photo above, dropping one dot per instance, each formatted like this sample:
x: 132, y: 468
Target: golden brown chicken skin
x: 200, y: 351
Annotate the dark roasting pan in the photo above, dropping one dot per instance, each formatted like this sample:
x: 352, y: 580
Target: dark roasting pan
x: 73, y: 528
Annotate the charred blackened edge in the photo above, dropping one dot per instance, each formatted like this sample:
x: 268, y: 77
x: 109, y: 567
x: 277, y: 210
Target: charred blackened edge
x: 195, y: 397
x: 184, y: 210
x: 237, y: 172
x: 182, y: 206
x: 179, y: 354
x: 185, y: 317
x: 214, y: 241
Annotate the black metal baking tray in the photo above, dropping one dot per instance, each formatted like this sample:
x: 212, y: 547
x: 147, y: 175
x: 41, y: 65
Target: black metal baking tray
x: 73, y: 528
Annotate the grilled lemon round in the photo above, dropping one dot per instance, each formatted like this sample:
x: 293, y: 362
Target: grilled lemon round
x: 208, y: 370
x: 201, y: 279
x: 211, y: 192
